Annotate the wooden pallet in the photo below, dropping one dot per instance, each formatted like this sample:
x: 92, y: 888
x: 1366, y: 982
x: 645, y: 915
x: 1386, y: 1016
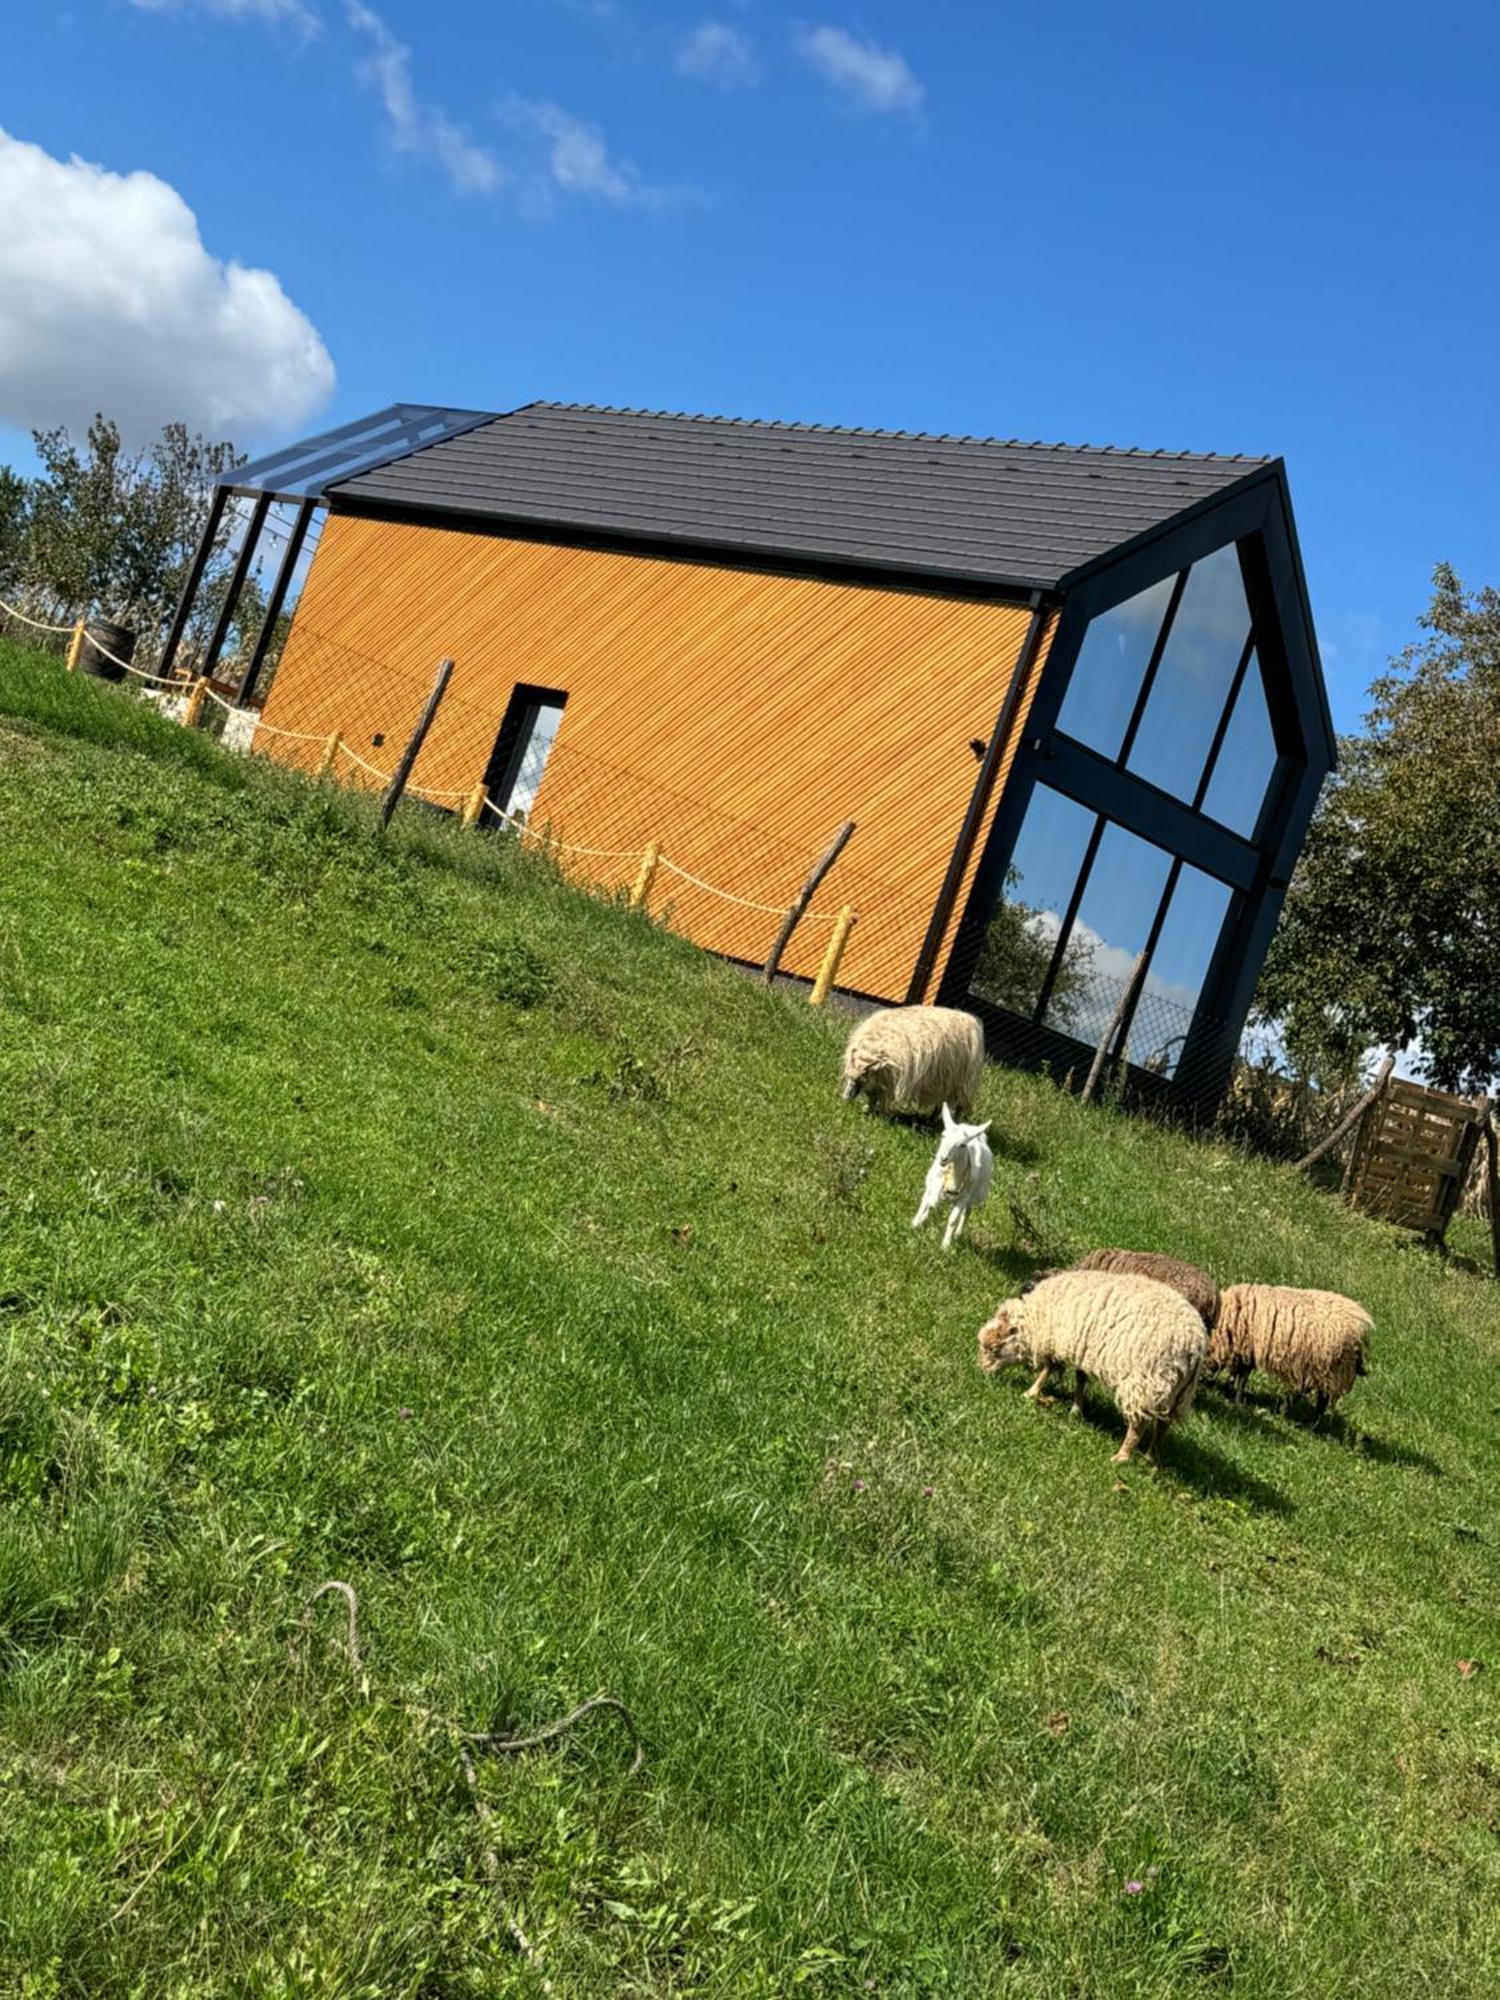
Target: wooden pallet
x: 1412, y: 1154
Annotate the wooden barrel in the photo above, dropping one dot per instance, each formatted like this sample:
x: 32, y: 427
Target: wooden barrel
x: 116, y: 639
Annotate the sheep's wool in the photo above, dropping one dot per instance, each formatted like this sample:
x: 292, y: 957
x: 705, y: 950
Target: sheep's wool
x: 916, y: 1058
x: 1312, y: 1341
x: 1196, y: 1286
x: 1140, y: 1338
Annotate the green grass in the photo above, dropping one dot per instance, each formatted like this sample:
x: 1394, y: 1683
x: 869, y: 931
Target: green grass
x: 397, y: 1213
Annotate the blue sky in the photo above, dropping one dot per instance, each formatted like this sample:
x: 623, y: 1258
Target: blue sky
x: 1260, y: 230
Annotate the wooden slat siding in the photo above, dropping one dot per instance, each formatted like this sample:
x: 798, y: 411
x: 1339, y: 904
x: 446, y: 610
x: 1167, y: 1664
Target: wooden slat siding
x: 736, y: 716
x: 997, y: 792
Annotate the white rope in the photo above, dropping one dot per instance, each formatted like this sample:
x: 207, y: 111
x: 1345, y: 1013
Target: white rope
x: 428, y: 792
x: 36, y: 624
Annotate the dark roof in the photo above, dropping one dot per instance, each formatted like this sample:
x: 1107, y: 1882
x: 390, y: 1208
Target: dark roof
x: 976, y: 510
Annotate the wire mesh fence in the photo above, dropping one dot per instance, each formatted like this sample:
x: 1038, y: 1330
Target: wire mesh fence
x: 727, y: 882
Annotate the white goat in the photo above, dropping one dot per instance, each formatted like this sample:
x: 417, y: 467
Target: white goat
x: 961, y: 1172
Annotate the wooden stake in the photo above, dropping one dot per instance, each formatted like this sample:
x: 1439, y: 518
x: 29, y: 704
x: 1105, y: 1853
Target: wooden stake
x: 475, y: 805
x: 331, y: 751
x: 1492, y: 1175
x: 1126, y: 1007
x: 193, y: 707
x: 650, y: 862
x: 402, y: 771
x: 803, y: 897
x: 75, y: 647
x: 828, y: 970
x: 1382, y: 1077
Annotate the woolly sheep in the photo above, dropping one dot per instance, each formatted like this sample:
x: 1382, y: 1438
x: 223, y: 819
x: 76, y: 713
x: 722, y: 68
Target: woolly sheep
x: 1142, y: 1339
x: 1196, y: 1286
x: 913, y: 1058
x: 961, y: 1172
x: 1312, y: 1341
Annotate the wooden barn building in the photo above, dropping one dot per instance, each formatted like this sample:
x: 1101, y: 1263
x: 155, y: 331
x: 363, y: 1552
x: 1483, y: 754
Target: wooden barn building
x: 1069, y: 696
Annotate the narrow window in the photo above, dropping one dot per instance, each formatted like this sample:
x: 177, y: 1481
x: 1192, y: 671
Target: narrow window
x: 531, y: 722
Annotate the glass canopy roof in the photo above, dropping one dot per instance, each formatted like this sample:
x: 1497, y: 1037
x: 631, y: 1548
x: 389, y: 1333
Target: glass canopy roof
x: 306, y: 470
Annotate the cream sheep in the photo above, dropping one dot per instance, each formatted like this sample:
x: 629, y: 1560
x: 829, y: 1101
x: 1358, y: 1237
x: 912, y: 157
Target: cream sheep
x: 1196, y: 1286
x: 1142, y: 1339
x: 1314, y: 1342
x: 913, y: 1058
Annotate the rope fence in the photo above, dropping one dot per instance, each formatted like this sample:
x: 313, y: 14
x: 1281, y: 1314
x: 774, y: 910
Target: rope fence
x: 192, y: 694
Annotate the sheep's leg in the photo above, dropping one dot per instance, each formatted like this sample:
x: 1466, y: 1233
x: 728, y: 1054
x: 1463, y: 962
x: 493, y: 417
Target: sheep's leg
x: 1320, y: 1406
x: 1241, y: 1377
x: 1037, y: 1390
x: 1080, y: 1383
x: 1131, y: 1445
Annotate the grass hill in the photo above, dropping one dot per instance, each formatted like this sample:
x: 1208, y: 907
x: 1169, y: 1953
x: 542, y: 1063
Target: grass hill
x: 396, y: 1213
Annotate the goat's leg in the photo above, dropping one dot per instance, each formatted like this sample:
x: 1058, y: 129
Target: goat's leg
x: 955, y: 1227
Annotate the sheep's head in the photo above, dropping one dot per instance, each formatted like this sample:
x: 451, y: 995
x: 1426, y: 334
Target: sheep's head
x: 1001, y: 1342
x: 872, y: 1079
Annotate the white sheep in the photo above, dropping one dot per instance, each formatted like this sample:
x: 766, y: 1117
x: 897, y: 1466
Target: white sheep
x: 915, y: 1058
x: 1314, y: 1342
x: 1142, y: 1339
x: 961, y: 1172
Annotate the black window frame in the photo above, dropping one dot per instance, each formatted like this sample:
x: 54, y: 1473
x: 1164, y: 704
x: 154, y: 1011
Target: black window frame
x: 513, y: 740
x: 1256, y: 868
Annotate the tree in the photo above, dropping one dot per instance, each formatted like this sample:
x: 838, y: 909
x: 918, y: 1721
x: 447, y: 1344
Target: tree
x: 14, y: 501
x: 114, y: 532
x: 1016, y: 954
x: 1391, y: 932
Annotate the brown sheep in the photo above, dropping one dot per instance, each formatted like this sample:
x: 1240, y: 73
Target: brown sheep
x: 1313, y: 1342
x: 1196, y: 1286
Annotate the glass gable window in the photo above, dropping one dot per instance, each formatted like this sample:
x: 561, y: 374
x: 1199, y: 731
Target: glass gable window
x: 1110, y: 667
x: 1204, y: 648
x: 1113, y: 926
x: 1018, y: 948
x: 1246, y: 761
x: 1179, y: 965
x: 1118, y: 898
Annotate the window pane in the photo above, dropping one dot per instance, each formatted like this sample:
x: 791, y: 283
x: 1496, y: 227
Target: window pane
x: 1114, y: 920
x: 1246, y: 759
x: 1192, y: 683
x: 1111, y: 665
x: 547, y: 718
x: 1179, y: 964
x: 1018, y: 945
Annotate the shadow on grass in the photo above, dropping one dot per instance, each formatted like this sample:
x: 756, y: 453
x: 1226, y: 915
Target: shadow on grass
x: 1186, y: 1459
x: 1299, y: 1421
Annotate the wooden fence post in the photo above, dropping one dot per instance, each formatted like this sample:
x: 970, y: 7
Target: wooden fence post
x: 402, y: 771
x: 330, y: 756
x: 474, y: 805
x: 1492, y: 1177
x: 1122, y: 1012
x: 192, y: 708
x: 828, y: 970
x: 803, y: 897
x: 75, y: 647
x: 1382, y: 1077
x: 646, y: 875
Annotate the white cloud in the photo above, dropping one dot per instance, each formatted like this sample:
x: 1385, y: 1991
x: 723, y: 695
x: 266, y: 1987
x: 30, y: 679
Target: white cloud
x: 292, y: 12
x: 109, y: 301
x: 578, y: 162
x: 876, y: 79
x: 416, y: 127
x: 719, y: 54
